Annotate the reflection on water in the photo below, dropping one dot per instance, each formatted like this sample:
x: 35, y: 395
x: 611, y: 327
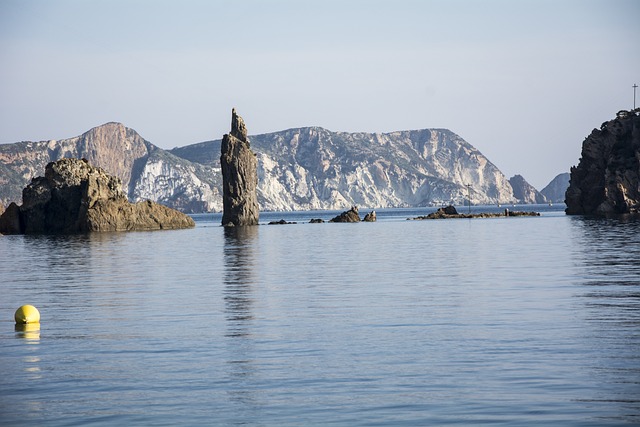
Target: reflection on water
x: 609, y: 260
x: 239, y: 259
x: 30, y: 332
x: 239, y: 280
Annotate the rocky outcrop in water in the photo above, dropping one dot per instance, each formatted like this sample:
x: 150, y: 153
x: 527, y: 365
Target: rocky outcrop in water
x: 75, y: 197
x: 351, y: 215
x: 239, y: 177
x: 449, y: 212
x: 370, y: 217
x: 607, y: 178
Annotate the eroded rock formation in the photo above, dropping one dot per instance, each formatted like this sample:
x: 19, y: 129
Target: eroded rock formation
x: 75, y: 197
x: 607, y: 178
x: 351, y: 215
x: 239, y: 176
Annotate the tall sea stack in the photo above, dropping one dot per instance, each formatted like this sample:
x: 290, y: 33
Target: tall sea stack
x: 239, y: 177
x: 607, y: 179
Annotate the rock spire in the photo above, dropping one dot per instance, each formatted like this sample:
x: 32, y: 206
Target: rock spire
x: 239, y: 176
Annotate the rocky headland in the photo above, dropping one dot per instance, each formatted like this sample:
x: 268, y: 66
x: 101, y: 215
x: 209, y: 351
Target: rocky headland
x: 239, y: 176
x: 75, y: 197
x: 607, y: 177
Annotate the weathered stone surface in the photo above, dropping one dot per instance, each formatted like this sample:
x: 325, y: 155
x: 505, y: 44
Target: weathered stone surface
x: 10, y: 220
x: 348, y: 216
x: 239, y: 177
x: 370, y: 217
x: 607, y: 178
x: 75, y: 197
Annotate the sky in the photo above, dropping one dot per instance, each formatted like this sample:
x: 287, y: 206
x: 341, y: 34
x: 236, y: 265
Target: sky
x: 523, y: 81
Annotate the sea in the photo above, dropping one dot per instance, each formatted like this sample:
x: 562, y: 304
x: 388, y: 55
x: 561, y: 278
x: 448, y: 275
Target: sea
x: 518, y: 321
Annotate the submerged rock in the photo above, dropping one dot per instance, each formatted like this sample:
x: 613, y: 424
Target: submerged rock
x: 607, y: 178
x: 239, y: 176
x: 75, y: 197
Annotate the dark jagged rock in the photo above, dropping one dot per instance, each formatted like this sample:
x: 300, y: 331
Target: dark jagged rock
x: 281, y: 222
x: 239, y: 177
x: 451, y: 212
x: 607, y: 178
x: 316, y: 221
x: 75, y: 197
x: 348, y: 216
x: 370, y: 217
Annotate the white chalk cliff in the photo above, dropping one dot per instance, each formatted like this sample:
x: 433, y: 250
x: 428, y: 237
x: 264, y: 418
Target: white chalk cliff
x: 298, y: 169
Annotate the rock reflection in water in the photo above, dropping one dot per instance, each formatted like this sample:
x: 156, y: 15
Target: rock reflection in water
x: 239, y: 277
x: 610, y: 263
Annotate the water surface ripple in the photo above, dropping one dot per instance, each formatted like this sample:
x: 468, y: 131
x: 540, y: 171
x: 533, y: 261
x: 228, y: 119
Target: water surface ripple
x: 511, y: 321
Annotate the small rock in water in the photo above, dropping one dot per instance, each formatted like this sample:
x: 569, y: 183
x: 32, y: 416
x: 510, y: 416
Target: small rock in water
x: 348, y: 216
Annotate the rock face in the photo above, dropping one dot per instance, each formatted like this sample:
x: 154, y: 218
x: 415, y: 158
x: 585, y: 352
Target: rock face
x: 525, y: 192
x: 298, y: 169
x: 239, y: 177
x: 556, y: 189
x: 75, y: 197
x: 607, y: 178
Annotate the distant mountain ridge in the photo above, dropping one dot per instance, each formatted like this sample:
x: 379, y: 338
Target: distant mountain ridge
x: 556, y: 189
x: 298, y: 169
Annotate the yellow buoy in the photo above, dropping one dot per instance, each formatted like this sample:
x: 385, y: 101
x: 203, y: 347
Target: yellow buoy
x: 27, y: 314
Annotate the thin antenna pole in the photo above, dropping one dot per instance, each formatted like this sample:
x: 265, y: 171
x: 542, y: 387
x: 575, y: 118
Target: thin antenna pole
x: 634, y: 95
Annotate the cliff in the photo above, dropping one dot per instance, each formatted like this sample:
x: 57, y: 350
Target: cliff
x: 607, y: 177
x: 74, y: 197
x: 314, y: 168
x: 146, y: 171
x: 298, y: 169
x: 525, y: 192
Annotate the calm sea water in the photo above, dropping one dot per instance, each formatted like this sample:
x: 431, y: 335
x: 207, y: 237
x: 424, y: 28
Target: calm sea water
x: 511, y: 321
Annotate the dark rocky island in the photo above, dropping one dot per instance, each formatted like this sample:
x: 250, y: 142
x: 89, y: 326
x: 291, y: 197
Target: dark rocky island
x: 352, y: 215
x: 451, y: 212
x: 239, y: 177
x: 75, y: 197
x: 607, y: 178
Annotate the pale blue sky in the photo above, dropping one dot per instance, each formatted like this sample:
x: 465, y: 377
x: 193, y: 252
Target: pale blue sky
x: 523, y: 81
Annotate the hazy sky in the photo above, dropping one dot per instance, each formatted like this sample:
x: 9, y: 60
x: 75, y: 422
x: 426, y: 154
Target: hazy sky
x: 523, y: 81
